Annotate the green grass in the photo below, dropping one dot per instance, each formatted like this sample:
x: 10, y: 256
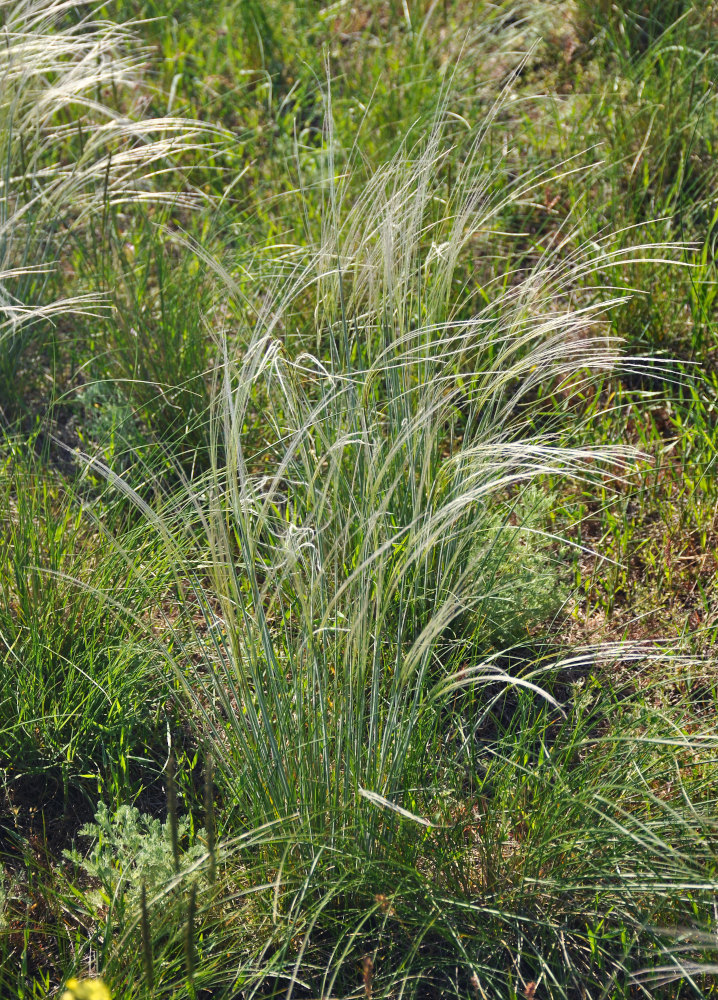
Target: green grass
x: 83, y: 707
x: 357, y: 388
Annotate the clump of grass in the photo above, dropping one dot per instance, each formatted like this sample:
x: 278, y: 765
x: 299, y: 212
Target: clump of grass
x: 70, y: 152
x: 559, y: 860
x: 365, y: 554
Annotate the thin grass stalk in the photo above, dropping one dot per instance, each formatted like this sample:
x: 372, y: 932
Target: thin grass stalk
x: 209, y: 816
x: 146, y: 939
x: 172, y: 815
x: 189, y: 945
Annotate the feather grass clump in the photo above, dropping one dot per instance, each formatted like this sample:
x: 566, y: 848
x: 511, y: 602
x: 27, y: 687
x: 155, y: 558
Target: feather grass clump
x: 368, y: 548
x: 75, y: 141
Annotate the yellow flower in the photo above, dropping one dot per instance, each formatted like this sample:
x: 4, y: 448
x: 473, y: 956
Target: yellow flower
x: 88, y: 989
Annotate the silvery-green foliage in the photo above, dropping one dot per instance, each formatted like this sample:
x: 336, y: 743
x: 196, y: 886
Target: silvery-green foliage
x: 131, y: 848
x: 109, y: 420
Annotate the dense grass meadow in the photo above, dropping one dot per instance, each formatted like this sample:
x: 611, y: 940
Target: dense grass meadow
x: 359, y: 499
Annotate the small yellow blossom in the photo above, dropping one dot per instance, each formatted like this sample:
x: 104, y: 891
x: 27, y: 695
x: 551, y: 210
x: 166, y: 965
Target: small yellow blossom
x: 87, y: 989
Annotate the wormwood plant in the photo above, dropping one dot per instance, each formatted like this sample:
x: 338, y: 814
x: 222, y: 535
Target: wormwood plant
x: 130, y: 849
